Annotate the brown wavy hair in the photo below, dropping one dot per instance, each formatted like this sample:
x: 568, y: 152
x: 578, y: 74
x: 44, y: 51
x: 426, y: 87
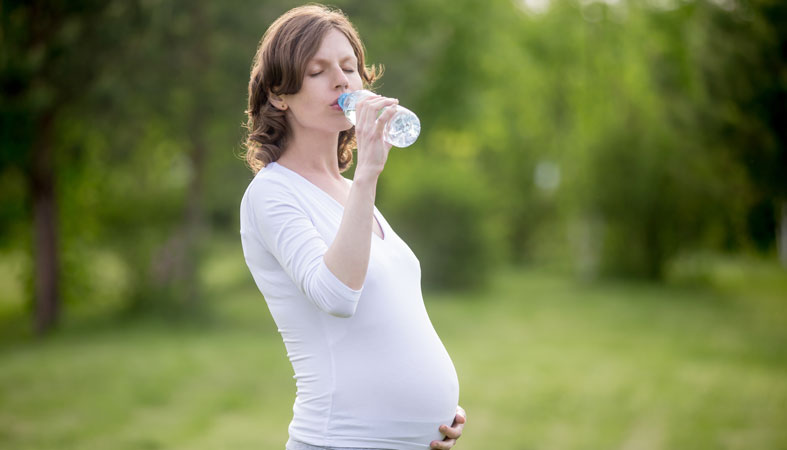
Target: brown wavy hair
x: 279, y: 67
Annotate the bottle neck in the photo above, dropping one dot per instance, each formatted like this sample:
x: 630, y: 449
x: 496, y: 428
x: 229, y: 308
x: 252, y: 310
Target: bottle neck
x: 348, y: 100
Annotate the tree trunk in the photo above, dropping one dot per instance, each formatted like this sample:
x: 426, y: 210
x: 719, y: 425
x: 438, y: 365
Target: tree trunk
x: 46, y: 261
x: 781, y: 233
x: 194, y: 221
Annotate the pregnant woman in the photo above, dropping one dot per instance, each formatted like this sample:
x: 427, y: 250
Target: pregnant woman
x: 342, y: 287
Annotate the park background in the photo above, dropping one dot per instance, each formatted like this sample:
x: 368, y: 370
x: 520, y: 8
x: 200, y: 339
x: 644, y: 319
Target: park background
x: 598, y: 200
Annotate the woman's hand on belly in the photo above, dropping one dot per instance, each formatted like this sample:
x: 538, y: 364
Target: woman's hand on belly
x: 453, y: 432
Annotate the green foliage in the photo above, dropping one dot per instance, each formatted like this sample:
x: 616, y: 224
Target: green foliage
x: 665, y: 124
x: 441, y: 210
x: 743, y: 104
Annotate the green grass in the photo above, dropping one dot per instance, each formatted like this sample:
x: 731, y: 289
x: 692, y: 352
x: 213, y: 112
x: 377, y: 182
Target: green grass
x: 544, y: 363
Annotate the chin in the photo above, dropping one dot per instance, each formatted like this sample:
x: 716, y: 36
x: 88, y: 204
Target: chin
x: 345, y: 124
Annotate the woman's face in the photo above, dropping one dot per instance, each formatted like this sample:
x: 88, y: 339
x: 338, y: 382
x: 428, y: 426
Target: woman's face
x: 332, y: 71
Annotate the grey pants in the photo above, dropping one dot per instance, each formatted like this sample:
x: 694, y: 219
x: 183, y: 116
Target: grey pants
x: 296, y: 445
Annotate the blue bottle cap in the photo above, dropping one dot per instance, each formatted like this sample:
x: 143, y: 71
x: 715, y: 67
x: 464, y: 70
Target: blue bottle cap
x: 342, y: 99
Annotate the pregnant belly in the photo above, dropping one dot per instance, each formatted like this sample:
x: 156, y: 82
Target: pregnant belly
x: 402, y: 390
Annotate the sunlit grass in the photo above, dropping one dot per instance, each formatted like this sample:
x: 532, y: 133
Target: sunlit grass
x: 544, y: 363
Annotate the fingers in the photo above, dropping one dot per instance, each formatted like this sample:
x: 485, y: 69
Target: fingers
x: 372, y: 111
x: 459, y: 421
x: 385, y: 116
x: 452, y: 432
x: 372, y: 148
x: 461, y: 412
x: 361, y: 110
x: 443, y: 445
x: 368, y: 108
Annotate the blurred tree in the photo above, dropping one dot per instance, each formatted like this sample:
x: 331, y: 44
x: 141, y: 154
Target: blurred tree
x: 743, y: 68
x: 445, y: 59
x: 645, y: 163
x: 121, y: 129
x: 51, y: 51
x: 179, y: 92
x: 179, y: 45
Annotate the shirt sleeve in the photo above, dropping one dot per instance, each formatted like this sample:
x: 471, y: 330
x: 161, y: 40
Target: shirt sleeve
x: 289, y: 234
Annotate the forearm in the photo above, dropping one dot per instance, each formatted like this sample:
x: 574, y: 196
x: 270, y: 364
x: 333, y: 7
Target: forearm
x: 348, y: 256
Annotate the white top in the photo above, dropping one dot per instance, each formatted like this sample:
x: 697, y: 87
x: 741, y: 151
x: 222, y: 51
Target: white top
x: 369, y: 367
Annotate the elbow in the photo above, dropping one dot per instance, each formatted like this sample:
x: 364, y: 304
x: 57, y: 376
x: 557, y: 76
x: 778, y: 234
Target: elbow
x: 345, y: 310
x: 331, y: 295
x: 342, y: 306
x: 337, y: 304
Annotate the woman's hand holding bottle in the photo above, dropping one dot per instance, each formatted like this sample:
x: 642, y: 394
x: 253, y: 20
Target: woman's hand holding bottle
x: 372, y: 148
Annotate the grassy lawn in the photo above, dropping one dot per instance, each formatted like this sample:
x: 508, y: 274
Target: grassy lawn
x: 544, y: 362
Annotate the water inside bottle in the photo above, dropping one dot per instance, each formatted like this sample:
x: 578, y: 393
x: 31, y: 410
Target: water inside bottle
x: 350, y: 114
x: 403, y: 129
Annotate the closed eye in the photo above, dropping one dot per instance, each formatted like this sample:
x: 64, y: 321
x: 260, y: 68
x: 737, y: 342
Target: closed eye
x: 317, y: 73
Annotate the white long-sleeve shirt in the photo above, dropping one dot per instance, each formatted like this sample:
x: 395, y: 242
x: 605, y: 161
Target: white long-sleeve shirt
x: 369, y: 367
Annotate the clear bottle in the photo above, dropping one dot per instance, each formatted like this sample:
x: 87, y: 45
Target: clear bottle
x: 401, y: 130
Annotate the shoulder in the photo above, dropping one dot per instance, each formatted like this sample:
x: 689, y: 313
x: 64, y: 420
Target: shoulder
x: 270, y: 184
x: 270, y: 194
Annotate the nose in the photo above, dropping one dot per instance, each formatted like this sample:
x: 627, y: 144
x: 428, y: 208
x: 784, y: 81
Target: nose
x: 341, y: 80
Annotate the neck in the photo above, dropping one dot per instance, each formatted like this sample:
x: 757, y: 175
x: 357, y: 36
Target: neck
x: 312, y: 152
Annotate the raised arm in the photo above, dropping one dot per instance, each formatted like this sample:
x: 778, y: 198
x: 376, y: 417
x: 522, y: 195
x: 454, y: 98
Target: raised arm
x: 348, y: 255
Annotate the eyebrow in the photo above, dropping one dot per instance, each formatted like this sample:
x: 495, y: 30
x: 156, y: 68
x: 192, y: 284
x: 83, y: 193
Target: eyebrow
x: 323, y: 61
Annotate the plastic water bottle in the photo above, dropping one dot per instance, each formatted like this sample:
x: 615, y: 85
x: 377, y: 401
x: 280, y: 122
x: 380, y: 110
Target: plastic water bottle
x: 401, y: 130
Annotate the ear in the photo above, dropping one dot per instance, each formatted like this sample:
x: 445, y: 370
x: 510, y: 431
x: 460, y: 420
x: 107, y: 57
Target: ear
x: 277, y: 101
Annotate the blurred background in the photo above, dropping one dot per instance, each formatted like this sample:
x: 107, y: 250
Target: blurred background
x: 598, y: 200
